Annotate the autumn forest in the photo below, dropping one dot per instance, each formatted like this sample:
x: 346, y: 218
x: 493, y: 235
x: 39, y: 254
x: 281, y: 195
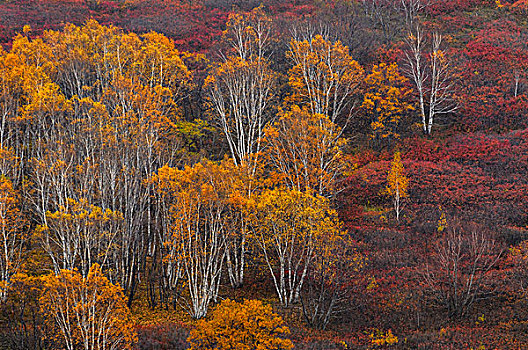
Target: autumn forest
x: 253, y: 175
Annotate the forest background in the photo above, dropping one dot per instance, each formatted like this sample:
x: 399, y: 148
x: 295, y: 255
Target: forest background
x: 347, y: 174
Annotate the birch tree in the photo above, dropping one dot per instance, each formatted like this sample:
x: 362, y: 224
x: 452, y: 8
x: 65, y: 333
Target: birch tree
x: 82, y: 234
x: 240, y: 87
x: 289, y: 225
x: 397, y: 184
x: 460, y: 270
x: 12, y: 226
x: 324, y: 77
x: 89, y: 312
x: 305, y: 151
x: 196, y: 240
x: 100, y: 113
x: 431, y: 75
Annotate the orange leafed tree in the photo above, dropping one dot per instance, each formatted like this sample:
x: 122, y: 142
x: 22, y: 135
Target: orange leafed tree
x: 305, y: 151
x: 80, y: 234
x: 243, y: 185
x: 324, y: 77
x: 241, y: 86
x: 194, y: 237
x: 98, y: 112
x: 240, y: 89
x: 241, y: 326
x: 88, y: 313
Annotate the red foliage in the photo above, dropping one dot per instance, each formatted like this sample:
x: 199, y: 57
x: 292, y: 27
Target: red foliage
x: 492, y: 69
x: 40, y: 15
x: 437, y: 7
x: 193, y: 25
x: 163, y: 337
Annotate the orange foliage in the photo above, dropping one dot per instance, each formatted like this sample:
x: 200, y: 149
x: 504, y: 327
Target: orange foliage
x: 89, y: 313
x: 305, y: 150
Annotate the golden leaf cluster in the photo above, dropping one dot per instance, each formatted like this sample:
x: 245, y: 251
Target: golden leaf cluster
x: 90, y: 312
x: 249, y: 325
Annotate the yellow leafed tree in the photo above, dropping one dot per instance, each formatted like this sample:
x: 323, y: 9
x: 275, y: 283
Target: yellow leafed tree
x: 324, y: 76
x: 243, y: 185
x: 250, y: 325
x: 88, y: 313
x: 385, y: 100
x: 289, y: 227
x: 397, y: 183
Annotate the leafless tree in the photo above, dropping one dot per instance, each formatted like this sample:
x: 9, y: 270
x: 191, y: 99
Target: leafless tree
x: 384, y: 13
x: 432, y: 77
x: 329, y: 283
x: 460, y: 270
x: 412, y: 9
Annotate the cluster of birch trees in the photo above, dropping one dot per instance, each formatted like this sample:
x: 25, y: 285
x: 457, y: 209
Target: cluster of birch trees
x: 94, y: 167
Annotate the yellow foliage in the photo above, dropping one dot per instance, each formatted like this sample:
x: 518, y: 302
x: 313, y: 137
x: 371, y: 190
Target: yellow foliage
x: 206, y: 185
x: 373, y: 284
x: 397, y: 182
x: 384, y: 101
x: 296, y: 217
x: 381, y: 338
x: 250, y: 325
x: 88, y: 231
x: 292, y: 228
x: 442, y: 222
x: 137, y: 78
x: 480, y: 320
